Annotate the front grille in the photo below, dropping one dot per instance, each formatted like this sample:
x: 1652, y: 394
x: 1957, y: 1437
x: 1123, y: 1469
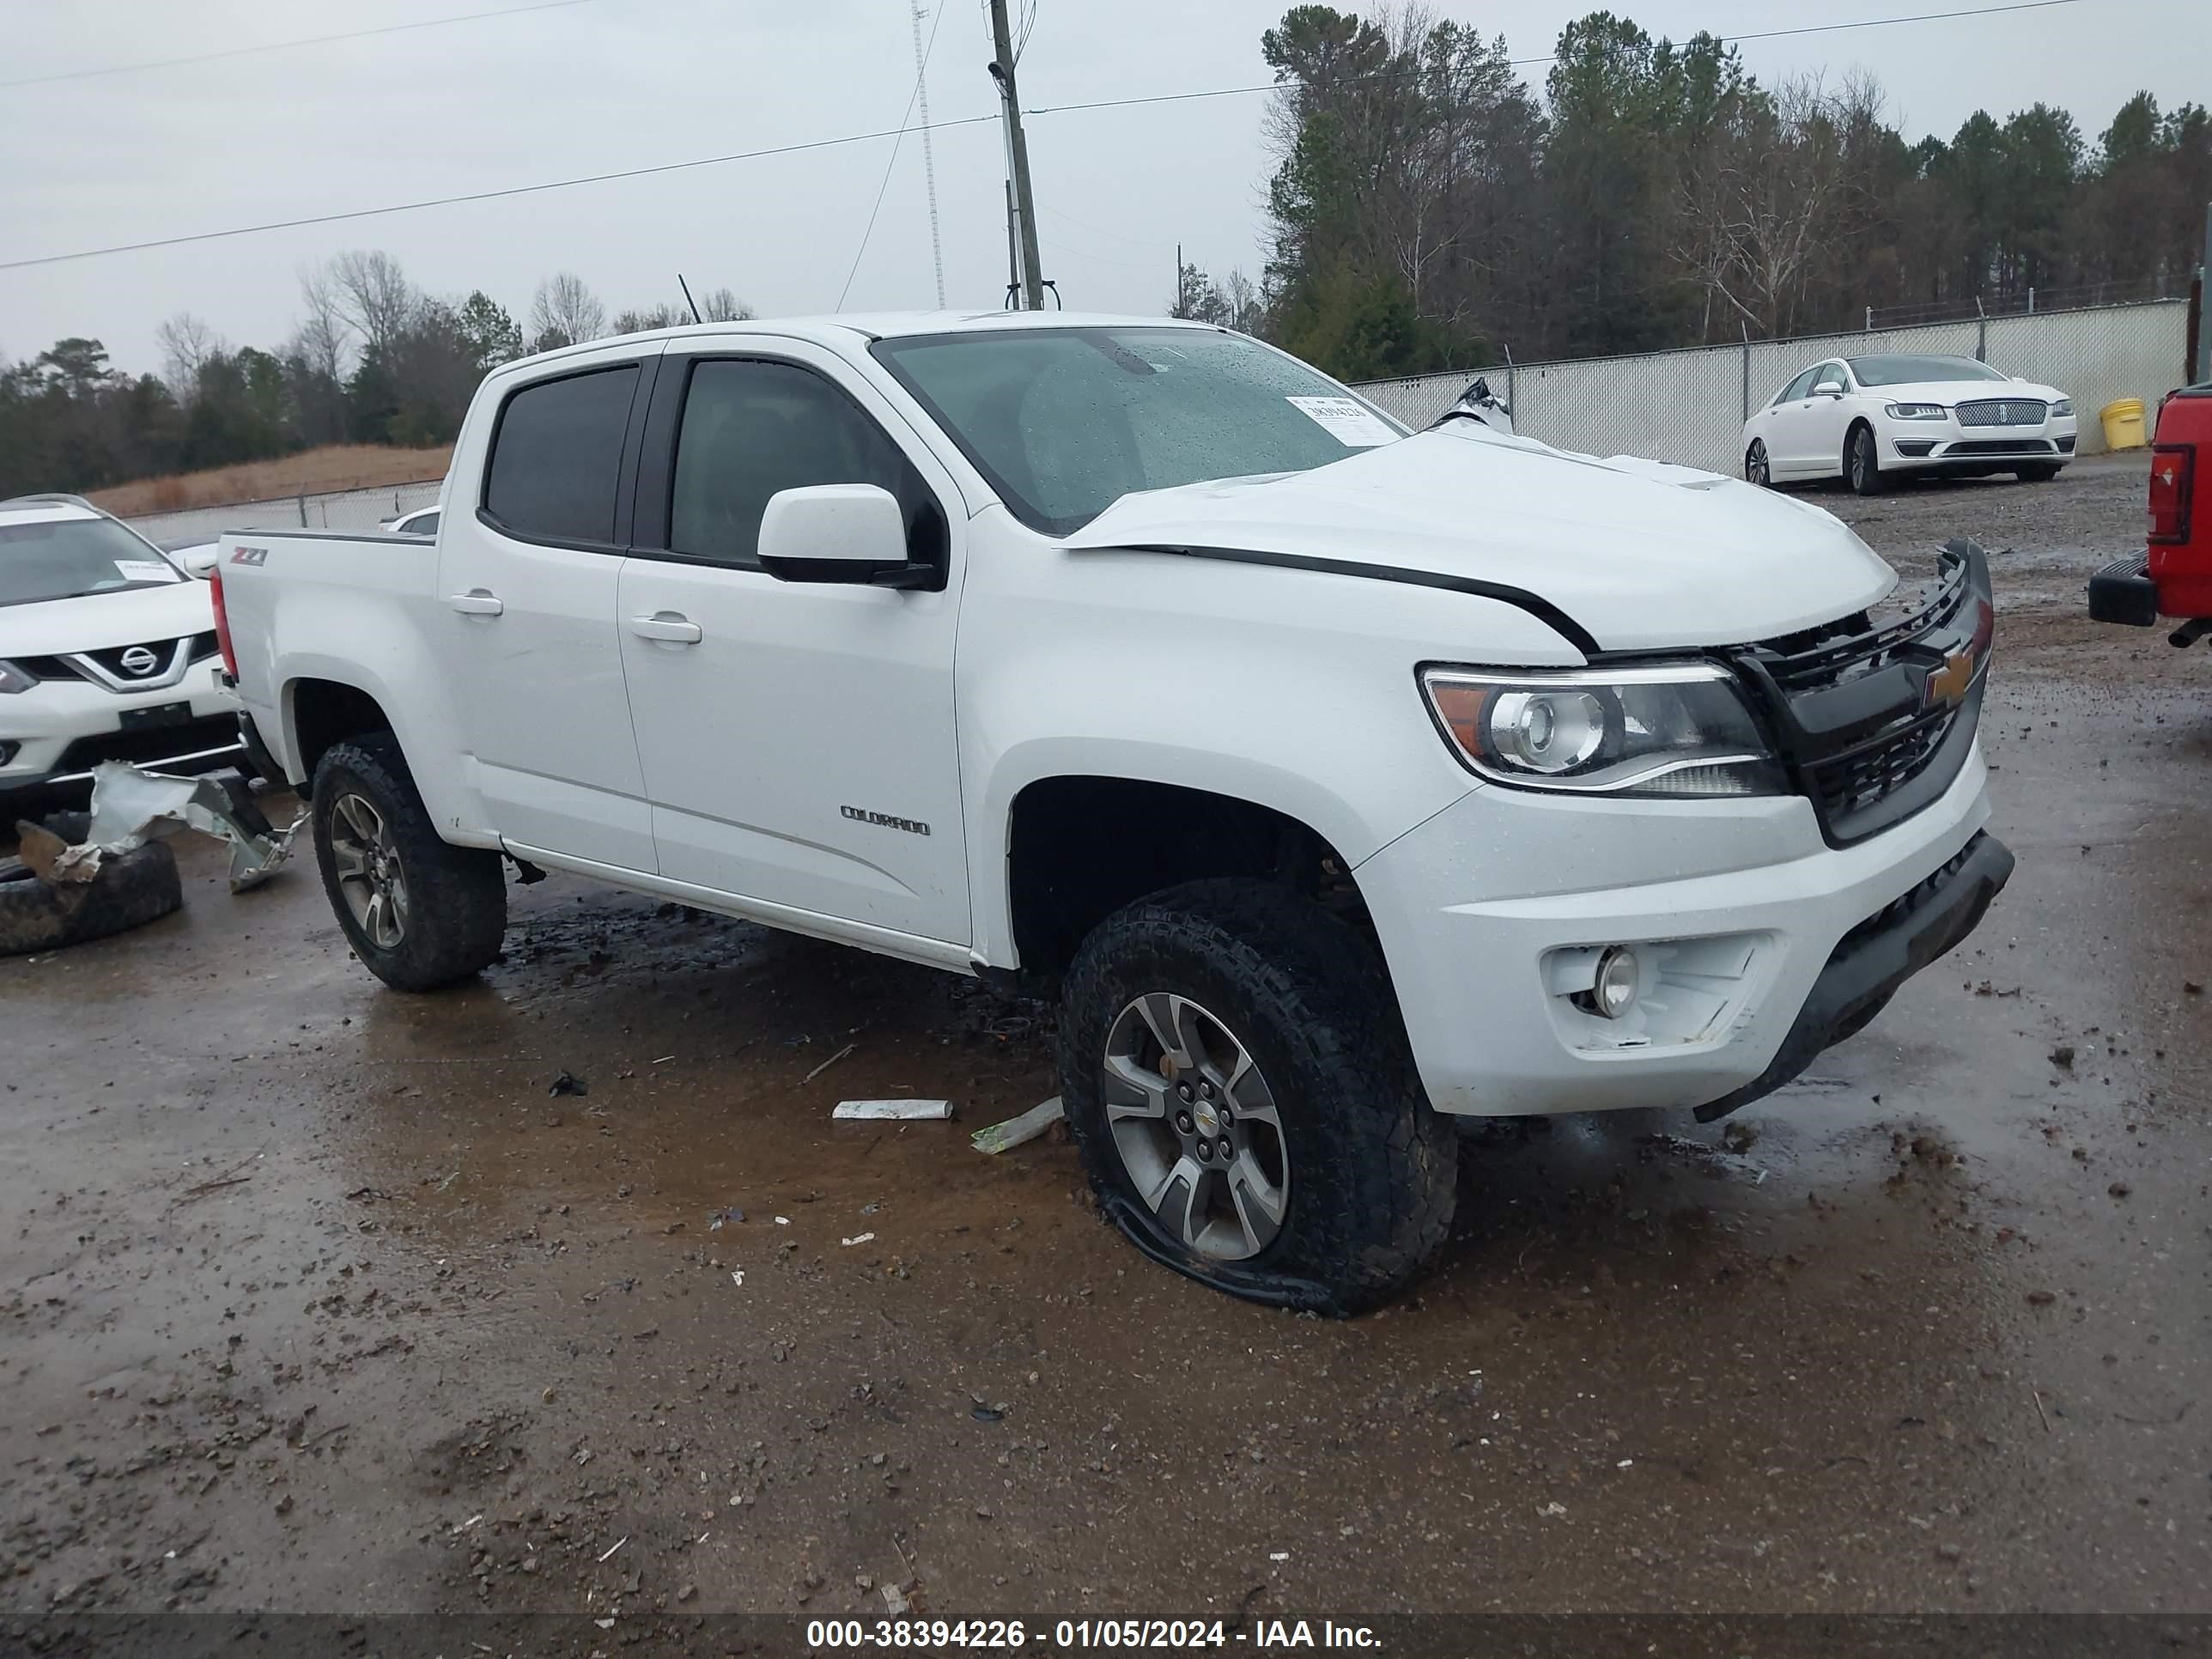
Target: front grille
x: 2003, y: 411
x: 1874, y: 720
x: 2001, y: 446
x: 163, y: 652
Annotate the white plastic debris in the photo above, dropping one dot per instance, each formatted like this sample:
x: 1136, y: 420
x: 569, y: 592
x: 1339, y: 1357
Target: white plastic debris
x: 861, y: 1239
x: 902, y: 1111
x: 127, y: 801
x: 1018, y: 1130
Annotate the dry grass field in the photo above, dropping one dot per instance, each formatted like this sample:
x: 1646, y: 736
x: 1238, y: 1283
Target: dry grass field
x: 310, y: 472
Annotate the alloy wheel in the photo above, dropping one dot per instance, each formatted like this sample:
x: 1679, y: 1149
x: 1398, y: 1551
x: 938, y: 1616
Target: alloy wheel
x: 1196, y: 1127
x: 1755, y: 463
x: 369, y: 875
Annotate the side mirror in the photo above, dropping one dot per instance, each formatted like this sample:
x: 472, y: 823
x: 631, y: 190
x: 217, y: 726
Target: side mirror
x: 199, y: 560
x: 1827, y: 389
x: 839, y: 533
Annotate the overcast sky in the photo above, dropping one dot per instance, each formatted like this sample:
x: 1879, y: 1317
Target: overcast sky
x: 609, y: 84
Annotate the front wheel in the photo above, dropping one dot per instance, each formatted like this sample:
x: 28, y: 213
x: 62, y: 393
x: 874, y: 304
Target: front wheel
x: 1757, y: 469
x: 1863, y: 462
x: 419, y: 912
x: 1240, y: 1092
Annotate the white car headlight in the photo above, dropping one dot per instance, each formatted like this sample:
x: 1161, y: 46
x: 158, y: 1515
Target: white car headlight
x: 1681, y: 731
x: 2064, y: 407
x: 1915, y: 411
x: 13, y: 679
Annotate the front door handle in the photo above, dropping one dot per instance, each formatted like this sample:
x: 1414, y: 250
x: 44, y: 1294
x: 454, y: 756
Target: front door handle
x: 671, y: 625
x: 476, y: 602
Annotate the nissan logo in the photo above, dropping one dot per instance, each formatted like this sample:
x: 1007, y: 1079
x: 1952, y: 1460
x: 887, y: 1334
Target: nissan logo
x: 139, y: 660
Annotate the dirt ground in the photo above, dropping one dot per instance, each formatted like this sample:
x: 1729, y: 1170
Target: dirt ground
x: 313, y: 1298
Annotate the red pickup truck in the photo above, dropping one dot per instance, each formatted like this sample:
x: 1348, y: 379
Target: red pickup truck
x: 2173, y: 576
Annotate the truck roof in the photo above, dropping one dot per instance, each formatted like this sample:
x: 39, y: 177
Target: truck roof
x: 875, y: 325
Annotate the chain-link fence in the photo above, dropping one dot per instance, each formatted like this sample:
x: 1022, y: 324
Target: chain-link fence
x: 1689, y: 407
x: 340, y: 509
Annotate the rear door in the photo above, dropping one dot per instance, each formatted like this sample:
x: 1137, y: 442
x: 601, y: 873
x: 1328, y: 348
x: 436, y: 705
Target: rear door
x: 797, y: 738
x: 528, y: 579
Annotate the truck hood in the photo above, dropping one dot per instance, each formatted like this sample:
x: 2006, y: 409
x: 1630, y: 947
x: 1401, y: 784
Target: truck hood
x: 1643, y: 556
x: 135, y: 616
x: 1952, y: 393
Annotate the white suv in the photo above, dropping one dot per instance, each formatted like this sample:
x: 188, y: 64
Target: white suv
x: 107, y: 650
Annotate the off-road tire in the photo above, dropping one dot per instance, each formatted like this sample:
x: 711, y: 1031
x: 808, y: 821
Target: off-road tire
x: 132, y: 889
x: 1372, y: 1166
x: 1859, y: 443
x: 2043, y: 474
x: 457, y: 895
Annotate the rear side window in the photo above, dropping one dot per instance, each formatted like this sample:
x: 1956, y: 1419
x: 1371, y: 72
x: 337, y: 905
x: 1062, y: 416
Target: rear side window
x: 557, y: 454
x: 753, y: 427
x: 1797, y: 388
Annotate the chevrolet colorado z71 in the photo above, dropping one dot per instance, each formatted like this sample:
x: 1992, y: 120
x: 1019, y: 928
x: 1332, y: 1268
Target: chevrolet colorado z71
x: 1341, y: 781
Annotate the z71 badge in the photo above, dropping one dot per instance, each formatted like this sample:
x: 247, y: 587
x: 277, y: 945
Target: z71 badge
x: 250, y: 555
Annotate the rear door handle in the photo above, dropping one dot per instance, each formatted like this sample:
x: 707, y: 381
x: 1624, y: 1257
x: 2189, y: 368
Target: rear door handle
x: 476, y: 602
x: 671, y: 625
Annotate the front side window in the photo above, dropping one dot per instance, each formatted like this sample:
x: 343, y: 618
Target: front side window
x: 557, y: 456
x: 753, y: 427
x: 1831, y: 374
x: 1064, y: 423
x: 68, y: 558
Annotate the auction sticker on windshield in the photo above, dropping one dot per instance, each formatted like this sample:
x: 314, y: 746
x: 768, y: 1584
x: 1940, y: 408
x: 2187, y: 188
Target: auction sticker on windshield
x: 147, y: 570
x: 1347, y: 421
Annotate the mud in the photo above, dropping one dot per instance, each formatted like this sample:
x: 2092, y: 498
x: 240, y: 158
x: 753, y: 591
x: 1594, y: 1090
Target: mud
x: 314, y: 1297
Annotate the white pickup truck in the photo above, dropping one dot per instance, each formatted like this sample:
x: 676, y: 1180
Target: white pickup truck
x: 1341, y: 781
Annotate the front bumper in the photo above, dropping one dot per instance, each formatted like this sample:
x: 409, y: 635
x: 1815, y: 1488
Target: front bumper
x: 60, y: 730
x: 1946, y: 446
x: 1762, y: 946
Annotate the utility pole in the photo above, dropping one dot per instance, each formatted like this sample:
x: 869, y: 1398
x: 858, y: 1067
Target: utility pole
x: 928, y: 154
x: 1018, y: 158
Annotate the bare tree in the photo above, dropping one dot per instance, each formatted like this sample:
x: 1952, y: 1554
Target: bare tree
x: 375, y: 297
x: 564, y: 312
x: 186, y: 342
x: 321, y: 340
x: 723, y: 305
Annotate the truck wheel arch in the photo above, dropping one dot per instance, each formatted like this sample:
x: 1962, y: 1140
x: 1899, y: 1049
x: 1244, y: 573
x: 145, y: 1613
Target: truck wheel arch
x: 322, y: 713
x: 1079, y: 848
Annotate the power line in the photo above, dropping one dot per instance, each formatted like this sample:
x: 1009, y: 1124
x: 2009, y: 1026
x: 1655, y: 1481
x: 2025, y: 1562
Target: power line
x: 286, y: 46
x: 865, y: 137
x: 478, y: 196
x: 1553, y: 58
x: 921, y: 69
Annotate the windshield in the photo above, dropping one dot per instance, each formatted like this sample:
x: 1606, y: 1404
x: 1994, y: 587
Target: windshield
x: 1907, y: 371
x: 64, y: 558
x: 1065, y: 421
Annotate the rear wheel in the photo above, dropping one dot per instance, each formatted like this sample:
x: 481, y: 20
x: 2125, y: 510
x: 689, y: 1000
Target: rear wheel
x: 2035, y: 474
x: 419, y: 912
x: 1756, y: 468
x: 1240, y: 1092
x: 1863, y: 462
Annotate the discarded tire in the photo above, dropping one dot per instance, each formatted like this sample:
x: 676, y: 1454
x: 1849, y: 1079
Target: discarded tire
x: 131, y: 891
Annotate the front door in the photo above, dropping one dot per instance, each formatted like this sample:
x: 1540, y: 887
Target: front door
x: 797, y: 737
x: 525, y: 606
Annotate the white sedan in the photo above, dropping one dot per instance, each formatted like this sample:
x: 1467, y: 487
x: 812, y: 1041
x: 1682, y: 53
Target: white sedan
x: 1868, y: 420
x: 107, y: 652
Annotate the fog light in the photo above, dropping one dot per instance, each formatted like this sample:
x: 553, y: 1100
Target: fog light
x: 1619, y: 974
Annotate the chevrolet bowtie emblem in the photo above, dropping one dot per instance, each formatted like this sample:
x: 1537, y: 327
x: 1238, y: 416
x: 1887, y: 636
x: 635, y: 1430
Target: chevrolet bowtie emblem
x: 1951, y: 683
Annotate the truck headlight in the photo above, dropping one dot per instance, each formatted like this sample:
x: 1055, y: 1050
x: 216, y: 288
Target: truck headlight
x: 1678, y: 731
x: 13, y: 679
x: 1914, y: 411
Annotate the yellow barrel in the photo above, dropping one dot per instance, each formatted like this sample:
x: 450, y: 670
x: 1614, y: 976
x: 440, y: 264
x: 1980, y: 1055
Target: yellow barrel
x: 2124, y: 423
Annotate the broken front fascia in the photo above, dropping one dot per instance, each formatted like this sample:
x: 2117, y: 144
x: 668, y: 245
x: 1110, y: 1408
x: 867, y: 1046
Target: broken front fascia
x: 127, y: 801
